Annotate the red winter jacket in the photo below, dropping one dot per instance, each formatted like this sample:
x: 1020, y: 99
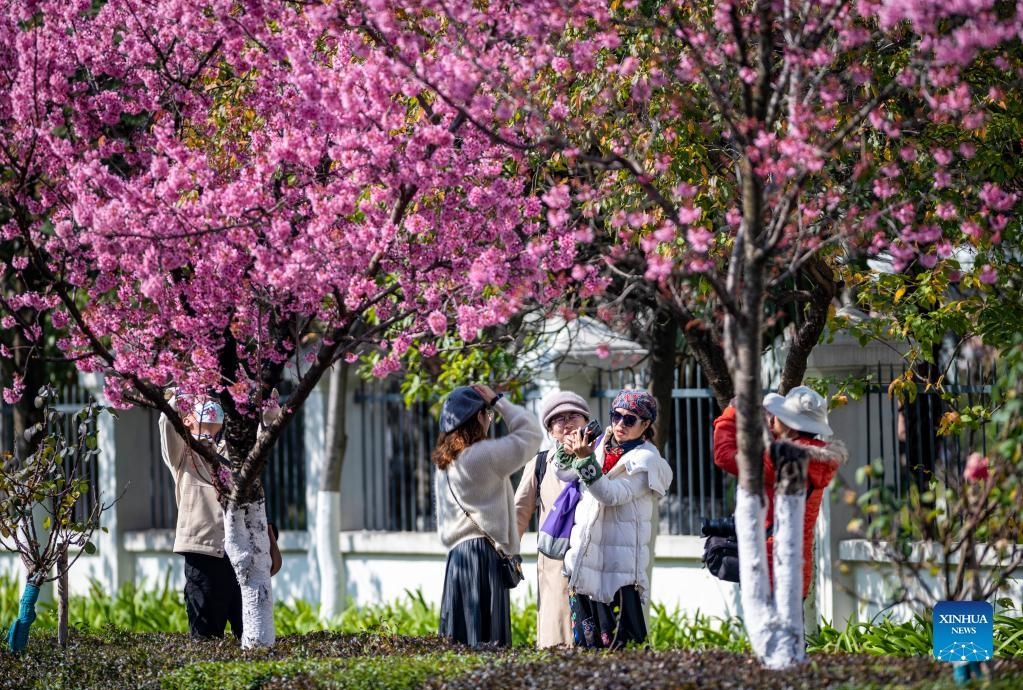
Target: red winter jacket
x: 824, y: 460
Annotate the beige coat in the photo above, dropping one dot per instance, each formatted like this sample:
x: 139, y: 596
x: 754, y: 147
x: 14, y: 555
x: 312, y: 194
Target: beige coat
x: 200, y: 527
x: 554, y: 621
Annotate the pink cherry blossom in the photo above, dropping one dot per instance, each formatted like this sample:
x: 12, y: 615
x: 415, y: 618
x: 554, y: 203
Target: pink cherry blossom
x: 976, y: 468
x: 12, y: 394
x: 988, y: 274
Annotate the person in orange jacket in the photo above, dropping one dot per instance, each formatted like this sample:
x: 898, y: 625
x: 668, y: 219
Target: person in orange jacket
x: 801, y: 418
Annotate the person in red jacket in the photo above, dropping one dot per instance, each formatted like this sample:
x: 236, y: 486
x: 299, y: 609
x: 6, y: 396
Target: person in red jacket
x: 800, y: 417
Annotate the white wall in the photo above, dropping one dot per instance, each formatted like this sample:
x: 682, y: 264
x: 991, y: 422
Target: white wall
x: 383, y: 567
x: 876, y: 584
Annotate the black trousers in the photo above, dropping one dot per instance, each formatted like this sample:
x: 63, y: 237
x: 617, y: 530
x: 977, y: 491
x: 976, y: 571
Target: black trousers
x: 212, y: 596
x: 608, y: 626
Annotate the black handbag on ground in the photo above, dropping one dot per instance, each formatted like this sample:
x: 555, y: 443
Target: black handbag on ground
x: 509, y: 566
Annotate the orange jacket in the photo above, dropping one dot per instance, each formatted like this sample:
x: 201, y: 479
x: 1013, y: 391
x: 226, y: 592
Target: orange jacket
x: 824, y: 460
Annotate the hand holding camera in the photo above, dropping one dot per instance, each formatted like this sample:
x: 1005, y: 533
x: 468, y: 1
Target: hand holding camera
x: 718, y: 527
x: 580, y: 441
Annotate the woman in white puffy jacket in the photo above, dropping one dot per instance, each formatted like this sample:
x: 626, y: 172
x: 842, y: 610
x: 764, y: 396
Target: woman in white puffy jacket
x: 608, y: 562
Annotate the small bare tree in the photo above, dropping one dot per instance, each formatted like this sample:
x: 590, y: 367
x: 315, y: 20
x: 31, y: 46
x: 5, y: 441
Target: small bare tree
x: 40, y: 495
x: 957, y: 537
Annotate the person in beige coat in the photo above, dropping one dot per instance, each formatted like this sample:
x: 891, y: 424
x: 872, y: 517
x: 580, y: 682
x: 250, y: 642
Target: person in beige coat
x: 212, y: 595
x: 561, y: 413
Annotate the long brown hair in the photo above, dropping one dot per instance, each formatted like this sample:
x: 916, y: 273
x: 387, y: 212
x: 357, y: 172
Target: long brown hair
x: 449, y: 445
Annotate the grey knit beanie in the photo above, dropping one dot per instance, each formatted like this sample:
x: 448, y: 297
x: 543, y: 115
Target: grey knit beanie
x: 562, y: 401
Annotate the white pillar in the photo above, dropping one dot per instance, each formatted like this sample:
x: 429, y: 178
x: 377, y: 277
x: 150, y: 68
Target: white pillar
x: 313, y: 441
x: 113, y: 482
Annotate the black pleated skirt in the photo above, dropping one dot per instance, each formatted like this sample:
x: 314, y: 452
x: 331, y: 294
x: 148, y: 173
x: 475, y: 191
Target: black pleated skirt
x: 475, y: 608
x: 608, y: 626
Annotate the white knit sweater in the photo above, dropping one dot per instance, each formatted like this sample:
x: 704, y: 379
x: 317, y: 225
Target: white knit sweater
x: 481, y: 478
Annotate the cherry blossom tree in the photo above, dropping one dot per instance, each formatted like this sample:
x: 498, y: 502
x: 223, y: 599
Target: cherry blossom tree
x: 734, y: 144
x: 214, y: 196
x: 806, y: 105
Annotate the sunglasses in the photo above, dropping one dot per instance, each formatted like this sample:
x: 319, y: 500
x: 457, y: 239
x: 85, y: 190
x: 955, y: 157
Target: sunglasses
x: 626, y: 420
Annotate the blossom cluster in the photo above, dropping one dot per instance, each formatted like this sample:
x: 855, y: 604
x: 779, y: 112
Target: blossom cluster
x: 233, y: 185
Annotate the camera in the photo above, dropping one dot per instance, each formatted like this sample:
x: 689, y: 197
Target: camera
x: 718, y: 527
x: 591, y: 431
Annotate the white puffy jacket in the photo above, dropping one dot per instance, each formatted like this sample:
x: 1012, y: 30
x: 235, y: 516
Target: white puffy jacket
x: 615, y: 525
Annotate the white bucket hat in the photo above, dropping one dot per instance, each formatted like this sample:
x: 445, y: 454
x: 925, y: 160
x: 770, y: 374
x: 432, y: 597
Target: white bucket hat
x: 802, y: 409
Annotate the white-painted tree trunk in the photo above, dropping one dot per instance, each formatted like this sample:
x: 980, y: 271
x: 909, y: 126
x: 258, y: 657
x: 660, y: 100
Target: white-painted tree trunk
x: 328, y: 553
x: 247, y: 544
x: 328, y: 500
x: 774, y: 620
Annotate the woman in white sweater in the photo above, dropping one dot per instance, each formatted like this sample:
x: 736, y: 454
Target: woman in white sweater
x: 476, y: 505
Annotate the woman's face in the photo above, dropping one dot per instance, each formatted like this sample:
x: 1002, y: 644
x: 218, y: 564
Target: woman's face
x: 197, y: 429
x: 627, y: 426
x: 777, y: 427
x: 486, y: 418
x: 565, y: 423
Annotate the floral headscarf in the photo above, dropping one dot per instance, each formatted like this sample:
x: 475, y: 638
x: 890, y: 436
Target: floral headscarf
x: 638, y: 402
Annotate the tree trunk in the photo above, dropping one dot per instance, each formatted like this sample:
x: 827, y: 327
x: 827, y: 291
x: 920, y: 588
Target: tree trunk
x: 822, y: 291
x: 62, y: 600
x: 328, y: 502
x: 662, y: 373
x: 17, y: 636
x: 769, y: 615
x: 789, y: 508
x: 247, y: 543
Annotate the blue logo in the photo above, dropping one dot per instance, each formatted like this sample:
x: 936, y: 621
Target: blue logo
x: 963, y: 631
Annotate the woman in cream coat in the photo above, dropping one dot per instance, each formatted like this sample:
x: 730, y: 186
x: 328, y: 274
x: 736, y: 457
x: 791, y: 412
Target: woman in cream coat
x: 611, y: 546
